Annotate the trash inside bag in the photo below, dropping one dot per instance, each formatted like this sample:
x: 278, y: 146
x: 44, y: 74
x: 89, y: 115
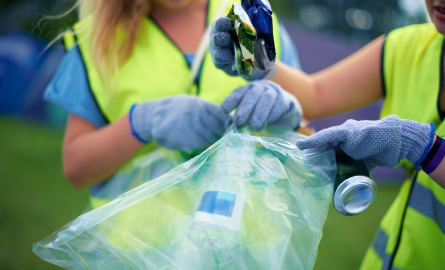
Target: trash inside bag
x: 247, y: 202
x: 138, y: 171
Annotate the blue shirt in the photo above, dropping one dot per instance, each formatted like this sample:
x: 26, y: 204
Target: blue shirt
x: 70, y: 89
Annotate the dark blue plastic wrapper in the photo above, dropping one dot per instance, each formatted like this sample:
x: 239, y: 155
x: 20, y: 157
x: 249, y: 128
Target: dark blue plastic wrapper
x: 260, y: 14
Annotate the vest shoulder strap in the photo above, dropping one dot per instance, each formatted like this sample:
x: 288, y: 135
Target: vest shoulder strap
x: 69, y: 39
x: 411, y: 72
x: 402, y: 47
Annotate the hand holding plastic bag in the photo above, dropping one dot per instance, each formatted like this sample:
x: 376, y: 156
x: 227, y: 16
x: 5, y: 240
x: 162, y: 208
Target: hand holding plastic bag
x: 247, y: 202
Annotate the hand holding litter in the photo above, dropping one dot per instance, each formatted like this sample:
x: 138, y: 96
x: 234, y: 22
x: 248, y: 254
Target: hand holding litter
x: 378, y: 143
x: 178, y: 122
x: 263, y: 103
x: 222, y: 50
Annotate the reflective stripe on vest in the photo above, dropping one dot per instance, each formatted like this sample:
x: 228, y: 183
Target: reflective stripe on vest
x: 156, y: 69
x: 412, y: 232
x: 379, y: 245
x: 421, y: 202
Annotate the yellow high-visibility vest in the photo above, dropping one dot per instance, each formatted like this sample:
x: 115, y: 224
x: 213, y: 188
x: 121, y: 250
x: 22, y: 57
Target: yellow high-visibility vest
x: 412, y: 233
x: 156, y: 69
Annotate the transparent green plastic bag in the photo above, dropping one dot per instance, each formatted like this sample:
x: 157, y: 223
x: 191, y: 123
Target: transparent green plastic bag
x: 247, y: 202
x: 139, y: 171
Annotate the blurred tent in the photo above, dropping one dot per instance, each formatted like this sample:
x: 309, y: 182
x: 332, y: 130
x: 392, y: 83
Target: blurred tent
x: 25, y: 71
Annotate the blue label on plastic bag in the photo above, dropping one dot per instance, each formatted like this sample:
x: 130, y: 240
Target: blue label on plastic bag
x: 218, y: 203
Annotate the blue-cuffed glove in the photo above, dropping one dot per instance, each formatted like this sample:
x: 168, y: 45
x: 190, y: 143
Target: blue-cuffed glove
x: 178, y: 122
x: 378, y: 143
x: 263, y: 103
x: 221, y: 49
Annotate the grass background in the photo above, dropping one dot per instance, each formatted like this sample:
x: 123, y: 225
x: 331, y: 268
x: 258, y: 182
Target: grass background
x: 36, y: 200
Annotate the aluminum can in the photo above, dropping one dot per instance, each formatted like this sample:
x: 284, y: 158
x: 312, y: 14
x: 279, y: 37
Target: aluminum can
x: 354, y: 191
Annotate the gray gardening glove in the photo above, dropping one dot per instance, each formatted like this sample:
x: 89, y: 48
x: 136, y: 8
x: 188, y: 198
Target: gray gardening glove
x: 178, y: 122
x: 221, y: 49
x: 263, y: 103
x: 378, y: 143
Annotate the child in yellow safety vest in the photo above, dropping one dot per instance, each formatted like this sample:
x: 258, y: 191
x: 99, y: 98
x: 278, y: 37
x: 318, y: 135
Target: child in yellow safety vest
x: 406, y: 69
x: 124, y: 81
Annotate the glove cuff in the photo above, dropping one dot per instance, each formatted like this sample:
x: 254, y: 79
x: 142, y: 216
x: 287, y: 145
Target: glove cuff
x: 141, y: 121
x: 415, y: 139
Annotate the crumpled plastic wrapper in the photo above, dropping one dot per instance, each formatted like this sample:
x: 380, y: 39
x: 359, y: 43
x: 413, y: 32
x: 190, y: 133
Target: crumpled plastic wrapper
x: 251, y: 19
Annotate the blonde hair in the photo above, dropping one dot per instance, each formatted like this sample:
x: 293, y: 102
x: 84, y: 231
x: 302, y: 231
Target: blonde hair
x: 106, y: 18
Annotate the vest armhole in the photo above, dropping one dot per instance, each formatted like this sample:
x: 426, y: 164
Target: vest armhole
x: 441, y: 110
x: 63, y: 45
x: 74, y: 36
x: 88, y: 80
x: 382, y: 65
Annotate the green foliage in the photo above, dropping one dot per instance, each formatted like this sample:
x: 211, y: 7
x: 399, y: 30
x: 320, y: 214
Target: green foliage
x: 35, y: 197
